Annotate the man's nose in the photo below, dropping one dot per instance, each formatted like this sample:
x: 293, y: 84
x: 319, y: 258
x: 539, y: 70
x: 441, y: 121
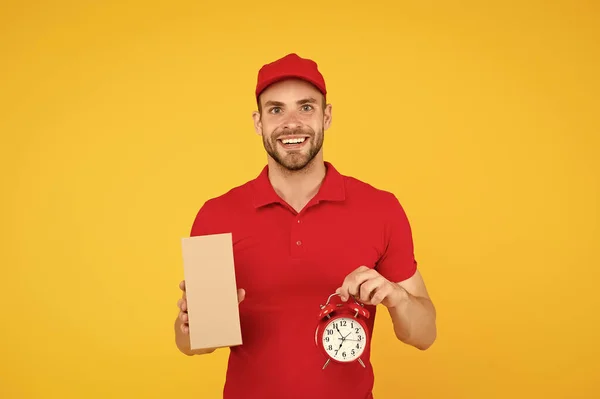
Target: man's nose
x: 292, y: 121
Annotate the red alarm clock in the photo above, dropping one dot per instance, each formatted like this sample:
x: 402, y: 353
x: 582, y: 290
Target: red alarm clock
x: 342, y: 333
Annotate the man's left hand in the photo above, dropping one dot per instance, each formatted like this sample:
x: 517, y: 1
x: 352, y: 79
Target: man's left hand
x: 371, y: 288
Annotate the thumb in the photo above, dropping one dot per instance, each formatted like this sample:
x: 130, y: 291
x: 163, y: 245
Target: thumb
x: 241, y: 294
x: 338, y: 291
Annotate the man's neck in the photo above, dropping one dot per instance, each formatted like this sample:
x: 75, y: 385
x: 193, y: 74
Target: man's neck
x: 297, y: 188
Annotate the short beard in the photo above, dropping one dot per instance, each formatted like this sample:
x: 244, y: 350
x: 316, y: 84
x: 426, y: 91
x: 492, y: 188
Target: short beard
x: 295, y: 162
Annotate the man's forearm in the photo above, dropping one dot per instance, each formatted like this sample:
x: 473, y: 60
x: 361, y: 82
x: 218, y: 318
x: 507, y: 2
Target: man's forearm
x: 414, y: 321
x: 183, y: 342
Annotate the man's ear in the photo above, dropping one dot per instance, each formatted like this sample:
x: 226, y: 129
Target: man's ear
x: 257, y: 122
x: 327, y: 115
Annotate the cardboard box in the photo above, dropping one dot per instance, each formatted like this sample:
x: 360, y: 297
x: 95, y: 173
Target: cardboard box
x: 209, y: 273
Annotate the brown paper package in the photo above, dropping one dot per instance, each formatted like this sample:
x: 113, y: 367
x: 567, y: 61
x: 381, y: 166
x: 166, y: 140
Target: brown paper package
x: 211, y: 291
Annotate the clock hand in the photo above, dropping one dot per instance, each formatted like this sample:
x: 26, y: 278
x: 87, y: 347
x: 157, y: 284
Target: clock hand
x: 343, y: 339
x: 339, y: 347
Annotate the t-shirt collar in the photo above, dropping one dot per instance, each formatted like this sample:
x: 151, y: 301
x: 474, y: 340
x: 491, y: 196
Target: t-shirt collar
x: 332, y: 188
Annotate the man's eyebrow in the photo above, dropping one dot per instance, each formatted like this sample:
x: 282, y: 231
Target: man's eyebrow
x: 274, y: 103
x: 307, y: 101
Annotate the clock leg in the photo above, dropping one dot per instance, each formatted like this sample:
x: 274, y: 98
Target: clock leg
x: 326, y: 363
x: 361, y: 362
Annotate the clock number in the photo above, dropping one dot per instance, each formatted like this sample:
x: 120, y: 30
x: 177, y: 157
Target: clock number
x: 353, y: 353
x: 344, y: 355
x: 359, y: 337
x: 343, y: 322
x: 330, y: 332
x: 326, y: 339
x: 357, y: 346
x: 330, y: 348
x: 335, y: 325
x: 357, y: 330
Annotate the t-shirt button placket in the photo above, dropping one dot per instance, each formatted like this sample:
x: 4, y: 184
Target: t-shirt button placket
x: 297, y: 240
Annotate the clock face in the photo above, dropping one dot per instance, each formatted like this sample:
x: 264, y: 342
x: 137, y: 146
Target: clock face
x: 344, y: 339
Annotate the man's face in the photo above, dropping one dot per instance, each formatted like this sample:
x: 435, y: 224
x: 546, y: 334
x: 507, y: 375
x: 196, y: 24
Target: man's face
x: 292, y: 122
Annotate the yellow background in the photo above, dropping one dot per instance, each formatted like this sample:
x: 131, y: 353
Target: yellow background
x: 118, y: 121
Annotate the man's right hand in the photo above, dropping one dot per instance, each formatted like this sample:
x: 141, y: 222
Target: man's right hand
x: 182, y: 322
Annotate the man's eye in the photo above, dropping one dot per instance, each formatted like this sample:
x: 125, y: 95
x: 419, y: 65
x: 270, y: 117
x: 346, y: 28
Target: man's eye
x: 307, y: 107
x: 275, y: 110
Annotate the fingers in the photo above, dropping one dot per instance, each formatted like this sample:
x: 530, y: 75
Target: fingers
x: 370, y: 288
x: 183, y: 315
x: 185, y: 328
x: 381, y: 292
x: 182, y: 305
x: 241, y: 293
x: 182, y: 287
x: 353, y: 282
x: 367, y: 286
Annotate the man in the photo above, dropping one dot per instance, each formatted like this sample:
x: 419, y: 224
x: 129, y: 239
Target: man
x: 301, y: 232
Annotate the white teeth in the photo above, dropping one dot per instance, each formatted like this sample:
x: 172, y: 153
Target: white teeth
x: 293, y: 141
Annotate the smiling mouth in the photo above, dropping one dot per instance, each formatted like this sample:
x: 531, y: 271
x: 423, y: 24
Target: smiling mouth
x: 292, y: 143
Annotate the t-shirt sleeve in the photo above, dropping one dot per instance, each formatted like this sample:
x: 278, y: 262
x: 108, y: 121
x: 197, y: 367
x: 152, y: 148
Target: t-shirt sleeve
x: 397, y: 262
x: 205, y: 221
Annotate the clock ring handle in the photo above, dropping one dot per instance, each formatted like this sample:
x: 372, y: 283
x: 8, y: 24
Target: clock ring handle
x: 336, y: 294
x: 331, y: 296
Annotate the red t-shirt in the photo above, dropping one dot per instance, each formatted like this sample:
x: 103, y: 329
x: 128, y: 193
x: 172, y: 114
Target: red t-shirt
x: 289, y: 263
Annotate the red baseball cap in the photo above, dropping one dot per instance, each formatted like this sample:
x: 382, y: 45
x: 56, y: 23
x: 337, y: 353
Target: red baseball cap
x: 290, y: 66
